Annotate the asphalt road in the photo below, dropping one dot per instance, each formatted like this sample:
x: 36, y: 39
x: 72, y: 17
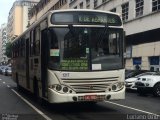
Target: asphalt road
x: 17, y: 105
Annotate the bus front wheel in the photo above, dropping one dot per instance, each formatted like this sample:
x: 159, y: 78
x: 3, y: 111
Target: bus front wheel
x: 35, y: 88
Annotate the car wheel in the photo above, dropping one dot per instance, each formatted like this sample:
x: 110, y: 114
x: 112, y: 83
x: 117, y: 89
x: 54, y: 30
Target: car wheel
x: 140, y: 91
x: 156, y: 90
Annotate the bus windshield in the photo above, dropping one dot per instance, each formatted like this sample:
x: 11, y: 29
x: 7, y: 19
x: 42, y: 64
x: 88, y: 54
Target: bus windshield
x: 85, y: 48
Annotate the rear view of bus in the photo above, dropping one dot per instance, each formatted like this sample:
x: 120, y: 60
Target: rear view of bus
x: 84, y: 56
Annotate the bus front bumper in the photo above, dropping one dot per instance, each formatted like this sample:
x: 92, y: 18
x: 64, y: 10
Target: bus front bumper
x: 55, y: 97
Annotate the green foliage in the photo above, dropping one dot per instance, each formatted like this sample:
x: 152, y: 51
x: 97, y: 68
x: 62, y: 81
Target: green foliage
x: 8, y: 50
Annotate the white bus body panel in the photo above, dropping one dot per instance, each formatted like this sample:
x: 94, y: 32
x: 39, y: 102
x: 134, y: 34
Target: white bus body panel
x: 82, y: 79
x: 55, y: 97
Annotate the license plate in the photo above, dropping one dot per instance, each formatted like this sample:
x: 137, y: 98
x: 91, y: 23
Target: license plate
x: 90, y: 97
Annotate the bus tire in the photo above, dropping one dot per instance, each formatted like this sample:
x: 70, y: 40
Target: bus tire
x: 36, y: 92
x: 35, y: 88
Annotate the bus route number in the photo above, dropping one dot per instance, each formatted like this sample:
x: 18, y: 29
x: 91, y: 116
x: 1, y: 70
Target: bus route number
x: 65, y: 74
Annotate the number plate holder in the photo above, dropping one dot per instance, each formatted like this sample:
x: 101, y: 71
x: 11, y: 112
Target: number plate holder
x: 90, y: 97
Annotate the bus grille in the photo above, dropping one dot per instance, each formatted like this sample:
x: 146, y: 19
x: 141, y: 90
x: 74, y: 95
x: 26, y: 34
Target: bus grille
x: 90, y: 85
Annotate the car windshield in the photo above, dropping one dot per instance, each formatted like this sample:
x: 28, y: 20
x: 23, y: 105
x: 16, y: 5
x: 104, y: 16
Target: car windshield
x: 147, y: 73
x: 85, y: 49
x: 157, y: 73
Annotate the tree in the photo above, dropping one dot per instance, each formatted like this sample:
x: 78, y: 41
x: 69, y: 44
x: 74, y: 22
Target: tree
x: 8, y: 52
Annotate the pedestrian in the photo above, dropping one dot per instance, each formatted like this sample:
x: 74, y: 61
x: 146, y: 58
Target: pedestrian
x: 138, y: 67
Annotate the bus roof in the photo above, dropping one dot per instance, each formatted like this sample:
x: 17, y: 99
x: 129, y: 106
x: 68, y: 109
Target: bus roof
x: 87, y: 10
x: 64, y: 10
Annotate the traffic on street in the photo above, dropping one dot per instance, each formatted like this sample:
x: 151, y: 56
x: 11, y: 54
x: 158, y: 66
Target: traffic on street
x: 18, y: 105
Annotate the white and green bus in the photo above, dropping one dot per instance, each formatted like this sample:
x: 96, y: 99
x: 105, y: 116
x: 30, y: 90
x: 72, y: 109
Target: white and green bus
x: 72, y: 56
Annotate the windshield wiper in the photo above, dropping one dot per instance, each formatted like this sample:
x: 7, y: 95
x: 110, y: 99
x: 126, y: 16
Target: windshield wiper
x: 71, y: 29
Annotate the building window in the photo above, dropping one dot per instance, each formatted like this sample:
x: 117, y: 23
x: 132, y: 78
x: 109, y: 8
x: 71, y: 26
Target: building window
x: 155, y: 5
x: 137, y: 61
x: 154, y: 63
x: 139, y: 7
x: 103, y: 1
x: 72, y: 1
x: 29, y: 13
x: 154, y: 60
x: 125, y: 8
x: 95, y: 3
x: 81, y: 5
x: 87, y: 4
x: 113, y: 10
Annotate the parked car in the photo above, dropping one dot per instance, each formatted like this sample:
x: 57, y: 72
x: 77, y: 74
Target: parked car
x: 2, y: 69
x: 9, y: 71
x: 130, y: 82
x: 133, y: 73
x: 149, y: 84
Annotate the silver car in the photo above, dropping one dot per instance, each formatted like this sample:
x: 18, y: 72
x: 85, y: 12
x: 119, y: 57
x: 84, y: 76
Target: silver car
x: 130, y: 82
x: 3, y: 70
x: 9, y: 71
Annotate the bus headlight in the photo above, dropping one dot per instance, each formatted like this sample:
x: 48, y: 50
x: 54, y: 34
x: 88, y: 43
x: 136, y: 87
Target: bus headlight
x: 58, y: 87
x: 114, y: 87
x: 61, y: 89
x: 118, y: 86
x: 65, y: 89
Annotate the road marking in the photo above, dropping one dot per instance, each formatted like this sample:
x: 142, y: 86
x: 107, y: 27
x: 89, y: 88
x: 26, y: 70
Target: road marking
x: 8, y: 86
x: 32, y: 106
x: 132, y: 108
x: 0, y: 79
x: 3, y: 82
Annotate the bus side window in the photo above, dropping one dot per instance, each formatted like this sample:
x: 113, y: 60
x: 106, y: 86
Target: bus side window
x: 37, y: 41
x: 22, y: 47
x: 18, y: 48
x: 53, y: 41
x: 53, y: 44
x: 31, y: 43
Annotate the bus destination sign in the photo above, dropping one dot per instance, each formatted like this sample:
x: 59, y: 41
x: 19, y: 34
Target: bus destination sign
x: 86, y: 18
x: 75, y: 64
x: 96, y: 19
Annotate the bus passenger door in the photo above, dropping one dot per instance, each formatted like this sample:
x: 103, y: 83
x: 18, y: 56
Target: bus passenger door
x: 44, y: 57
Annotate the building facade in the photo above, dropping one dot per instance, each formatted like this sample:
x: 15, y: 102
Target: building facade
x: 141, y: 23
x: 3, y: 41
x: 18, y: 19
x: 46, y: 5
x: 0, y: 44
